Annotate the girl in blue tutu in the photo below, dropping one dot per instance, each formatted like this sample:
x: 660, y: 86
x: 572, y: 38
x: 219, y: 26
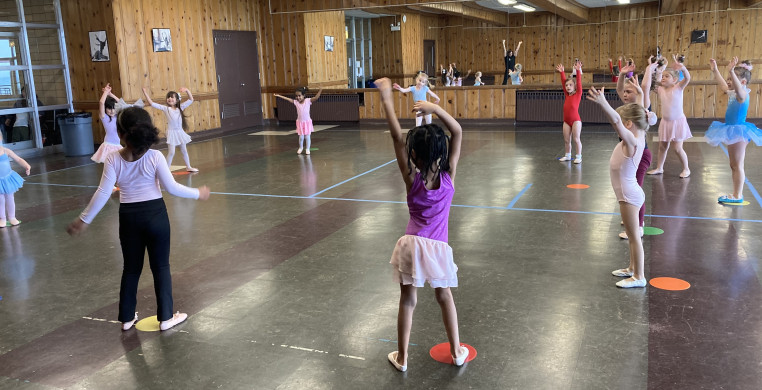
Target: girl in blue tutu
x: 735, y: 132
x: 10, y: 182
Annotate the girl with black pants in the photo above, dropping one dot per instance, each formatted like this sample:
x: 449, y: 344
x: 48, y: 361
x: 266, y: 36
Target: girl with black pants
x: 143, y: 220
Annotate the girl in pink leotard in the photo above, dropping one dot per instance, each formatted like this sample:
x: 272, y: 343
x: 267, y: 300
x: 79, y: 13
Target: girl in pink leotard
x: 673, y: 128
x: 631, y: 123
x: 572, y: 122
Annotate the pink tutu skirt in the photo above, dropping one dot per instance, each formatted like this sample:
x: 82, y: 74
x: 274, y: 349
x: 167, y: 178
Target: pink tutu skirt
x: 104, y: 150
x: 417, y: 260
x: 177, y: 137
x: 674, y: 130
x: 304, y: 127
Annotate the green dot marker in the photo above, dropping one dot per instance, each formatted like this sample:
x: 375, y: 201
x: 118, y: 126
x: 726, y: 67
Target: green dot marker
x: 652, y: 231
x: 311, y: 149
x: 8, y: 224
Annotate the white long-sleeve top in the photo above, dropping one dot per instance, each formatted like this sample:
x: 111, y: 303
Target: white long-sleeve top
x: 174, y: 117
x: 138, y: 181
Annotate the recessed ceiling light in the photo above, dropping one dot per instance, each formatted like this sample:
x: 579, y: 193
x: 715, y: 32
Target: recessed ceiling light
x: 506, y: 2
x: 524, y: 7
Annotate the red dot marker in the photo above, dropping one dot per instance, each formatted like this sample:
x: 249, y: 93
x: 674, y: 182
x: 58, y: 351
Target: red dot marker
x: 181, y: 173
x: 441, y: 353
x: 672, y: 284
x: 578, y: 186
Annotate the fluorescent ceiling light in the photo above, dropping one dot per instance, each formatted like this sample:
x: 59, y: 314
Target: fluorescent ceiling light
x: 524, y: 7
x: 623, y: 1
x: 506, y: 2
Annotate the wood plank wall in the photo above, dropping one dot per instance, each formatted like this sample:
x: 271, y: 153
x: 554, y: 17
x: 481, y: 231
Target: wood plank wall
x: 325, y: 68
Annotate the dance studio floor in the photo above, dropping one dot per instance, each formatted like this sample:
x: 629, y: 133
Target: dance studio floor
x: 284, y: 272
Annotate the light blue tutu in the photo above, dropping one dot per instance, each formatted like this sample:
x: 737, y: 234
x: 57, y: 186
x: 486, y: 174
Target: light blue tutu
x: 721, y: 133
x: 10, y: 181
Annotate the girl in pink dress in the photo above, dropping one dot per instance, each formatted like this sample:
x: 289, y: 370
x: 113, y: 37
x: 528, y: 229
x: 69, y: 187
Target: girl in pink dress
x: 427, y: 159
x: 673, y: 128
x: 303, y: 121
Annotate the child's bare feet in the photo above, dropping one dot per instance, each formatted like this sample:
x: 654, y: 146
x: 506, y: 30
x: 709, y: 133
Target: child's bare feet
x: 685, y: 173
x: 655, y: 172
x: 14, y: 221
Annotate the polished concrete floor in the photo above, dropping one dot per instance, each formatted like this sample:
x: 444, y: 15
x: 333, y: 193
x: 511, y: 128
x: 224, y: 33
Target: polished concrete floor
x: 284, y: 272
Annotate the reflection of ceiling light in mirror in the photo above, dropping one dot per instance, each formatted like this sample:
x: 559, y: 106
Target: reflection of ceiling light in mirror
x: 623, y: 1
x: 524, y: 7
x: 506, y: 2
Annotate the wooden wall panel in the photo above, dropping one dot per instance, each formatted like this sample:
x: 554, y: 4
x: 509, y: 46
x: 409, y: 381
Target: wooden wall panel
x: 325, y: 68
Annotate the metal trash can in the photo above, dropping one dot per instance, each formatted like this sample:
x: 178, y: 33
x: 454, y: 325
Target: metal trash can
x: 76, y: 133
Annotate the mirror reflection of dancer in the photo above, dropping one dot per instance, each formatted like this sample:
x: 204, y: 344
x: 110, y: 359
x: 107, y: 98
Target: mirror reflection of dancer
x: 509, y: 56
x: 141, y: 173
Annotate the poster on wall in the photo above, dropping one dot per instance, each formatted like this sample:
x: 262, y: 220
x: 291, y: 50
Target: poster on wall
x: 328, y: 43
x: 162, y: 40
x: 98, y: 46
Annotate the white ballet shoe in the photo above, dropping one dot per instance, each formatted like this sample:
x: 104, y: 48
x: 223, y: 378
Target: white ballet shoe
x: 176, y: 319
x: 631, y: 283
x: 460, y: 360
x: 128, y: 325
x: 393, y: 360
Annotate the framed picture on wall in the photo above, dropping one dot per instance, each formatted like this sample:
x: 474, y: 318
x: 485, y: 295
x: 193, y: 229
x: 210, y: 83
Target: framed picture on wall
x: 162, y: 39
x: 328, y: 43
x: 98, y: 46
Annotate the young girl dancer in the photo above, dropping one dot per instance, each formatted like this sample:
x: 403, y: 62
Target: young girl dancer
x: 673, y: 128
x: 572, y: 121
x: 303, y: 121
x: 108, y: 109
x: 420, y: 89
x: 427, y: 162
x: 515, y: 75
x: 10, y: 182
x: 631, y: 123
x: 176, y: 124
x: 615, y: 70
x: 735, y: 132
x: 630, y: 92
x: 478, y: 79
x: 143, y: 220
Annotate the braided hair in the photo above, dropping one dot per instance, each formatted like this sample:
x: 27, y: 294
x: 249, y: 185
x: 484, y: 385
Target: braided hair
x: 432, y: 148
x: 136, y: 128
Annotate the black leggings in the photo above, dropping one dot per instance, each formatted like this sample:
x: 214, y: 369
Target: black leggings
x: 145, y: 225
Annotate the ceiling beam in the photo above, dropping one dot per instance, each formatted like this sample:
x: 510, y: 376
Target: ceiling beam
x: 291, y: 6
x: 459, y: 9
x: 669, y: 6
x: 753, y: 3
x: 569, y: 10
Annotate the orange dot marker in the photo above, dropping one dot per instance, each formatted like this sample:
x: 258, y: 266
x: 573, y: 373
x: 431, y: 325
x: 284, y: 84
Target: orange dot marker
x: 441, y: 353
x: 181, y: 173
x: 672, y: 284
x: 578, y: 186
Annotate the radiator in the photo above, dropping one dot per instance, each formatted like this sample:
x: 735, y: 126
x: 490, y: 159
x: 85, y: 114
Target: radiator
x: 548, y: 106
x: 329, y: 108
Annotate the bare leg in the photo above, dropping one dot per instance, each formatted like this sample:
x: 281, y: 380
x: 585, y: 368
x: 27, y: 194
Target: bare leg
x: 408, y: 299
x: 449, y: 317
x: 567, y: 138
x: 677, y: 146
x: 630, y: 218
x: 663, y: 147
x: 737, y: 154
x: 576, y: 132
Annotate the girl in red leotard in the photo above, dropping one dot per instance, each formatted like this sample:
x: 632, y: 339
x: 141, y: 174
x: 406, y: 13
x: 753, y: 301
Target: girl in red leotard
x: 572, y: 122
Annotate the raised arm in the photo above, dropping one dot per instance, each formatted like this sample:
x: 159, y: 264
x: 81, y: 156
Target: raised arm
x: 646, y: 83
x: 102, y: 103
x: 622, y: 78
x: 384, y: 86
x: 578, y: 68
x: 516, y: 52
x: 718, y: 76
x: 284, y: 98
x: 456, y: 132
x: 316, y: 97
x: 148, y: 98
x: 560, y: 69
x: 633, y: 82
x: 616, y: 121
x: 186, y: 90
x: 680, y: 67
x: 505, y: 49
x: 740, y: 89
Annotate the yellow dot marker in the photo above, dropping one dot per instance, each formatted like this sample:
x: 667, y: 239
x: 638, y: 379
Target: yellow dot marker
x: 149, y: 324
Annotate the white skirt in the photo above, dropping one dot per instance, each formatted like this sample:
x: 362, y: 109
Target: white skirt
x: 177, y: 137
x: 417, y: 260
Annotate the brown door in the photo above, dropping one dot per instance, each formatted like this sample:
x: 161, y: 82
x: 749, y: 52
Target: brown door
x: 429, y: 58
x: 237, y: 61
